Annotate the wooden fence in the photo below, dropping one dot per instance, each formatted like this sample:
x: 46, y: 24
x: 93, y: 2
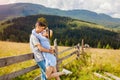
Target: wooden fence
x: 17, y: 59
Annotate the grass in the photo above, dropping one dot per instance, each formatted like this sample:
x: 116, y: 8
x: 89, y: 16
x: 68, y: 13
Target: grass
x: 97, y: 60
x: 79, y: 24
x: 13, y: 49
x: 8, y: 49
x: 105, y: 60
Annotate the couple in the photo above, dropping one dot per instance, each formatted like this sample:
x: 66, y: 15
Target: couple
x: 43, y: 53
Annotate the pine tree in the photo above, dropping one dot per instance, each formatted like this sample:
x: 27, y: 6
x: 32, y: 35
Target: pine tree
x: 60, y: 43
x: 66, y: 43
x: 99, y: 45
x: 108, y: 46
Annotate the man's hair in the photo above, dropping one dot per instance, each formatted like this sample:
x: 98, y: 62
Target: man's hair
x: 42, y: 22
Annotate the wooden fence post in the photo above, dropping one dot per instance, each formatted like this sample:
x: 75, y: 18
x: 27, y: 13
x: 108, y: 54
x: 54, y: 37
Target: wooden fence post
x: 82, y: 45
x: 78, y: 48
x: 56, y: 53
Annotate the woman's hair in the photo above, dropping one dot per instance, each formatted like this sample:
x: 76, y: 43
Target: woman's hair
x: 50, y: 33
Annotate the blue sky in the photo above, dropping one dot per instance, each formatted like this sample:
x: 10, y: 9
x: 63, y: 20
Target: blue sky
x: 110, y: 7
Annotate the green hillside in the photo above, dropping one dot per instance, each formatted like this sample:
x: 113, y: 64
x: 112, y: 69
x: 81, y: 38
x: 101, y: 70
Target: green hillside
x: 68, y: 31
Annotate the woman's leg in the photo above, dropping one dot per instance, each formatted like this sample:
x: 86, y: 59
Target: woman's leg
x: 50, y: 73
x: 54, y: 71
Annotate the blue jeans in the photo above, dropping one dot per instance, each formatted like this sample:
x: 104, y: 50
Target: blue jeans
x: 41, y: 64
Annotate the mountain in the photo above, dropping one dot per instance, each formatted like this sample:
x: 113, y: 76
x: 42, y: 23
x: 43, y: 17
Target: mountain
x: 68, y: 31
x: 25, y: 9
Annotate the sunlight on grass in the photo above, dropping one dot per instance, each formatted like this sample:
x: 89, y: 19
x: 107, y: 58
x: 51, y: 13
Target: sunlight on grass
x: 97, y: 60
x: 2, y: 27
x: 13, y: 49
x: 79, y: 24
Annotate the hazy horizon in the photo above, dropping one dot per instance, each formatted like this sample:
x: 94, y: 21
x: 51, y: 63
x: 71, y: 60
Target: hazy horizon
x: 108, y: 7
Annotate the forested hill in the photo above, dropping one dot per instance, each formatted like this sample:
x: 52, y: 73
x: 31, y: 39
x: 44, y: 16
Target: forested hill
x: 67, y: 31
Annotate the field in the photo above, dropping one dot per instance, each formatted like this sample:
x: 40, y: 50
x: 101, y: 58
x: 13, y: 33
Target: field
x: 94, y: 60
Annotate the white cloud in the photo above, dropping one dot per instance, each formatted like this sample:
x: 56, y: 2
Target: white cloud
x: 110, y: 7
x: 12, y: 1
x: 104, y: 8
x: 116, y: 15
x: 4, y: 1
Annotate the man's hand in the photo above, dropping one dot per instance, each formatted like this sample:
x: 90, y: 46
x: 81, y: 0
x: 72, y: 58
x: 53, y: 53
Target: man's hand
x: 52, y: 51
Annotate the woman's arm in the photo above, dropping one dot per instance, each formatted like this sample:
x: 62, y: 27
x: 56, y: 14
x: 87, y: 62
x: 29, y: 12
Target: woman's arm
x: 36, y: 34
x: 39, y: 45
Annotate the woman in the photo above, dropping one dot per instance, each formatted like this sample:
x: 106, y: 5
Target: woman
x: 50, y: 59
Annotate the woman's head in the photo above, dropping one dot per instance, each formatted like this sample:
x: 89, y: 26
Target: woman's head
x: 47, y: 33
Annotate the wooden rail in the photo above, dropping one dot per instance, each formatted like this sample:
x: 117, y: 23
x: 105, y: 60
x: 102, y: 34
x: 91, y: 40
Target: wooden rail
x: 107, y: 76
x: 101, y: 76
x: 17, y: 59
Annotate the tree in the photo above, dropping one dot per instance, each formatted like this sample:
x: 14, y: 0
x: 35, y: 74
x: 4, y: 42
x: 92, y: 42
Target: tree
x: 60, y: 43
x: 66, y: 43
x: 108, y: 46
x: 99, y: 45
x: 12, y: 38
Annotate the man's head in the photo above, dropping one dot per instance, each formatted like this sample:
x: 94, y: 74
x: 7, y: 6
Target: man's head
x: 40, y: 25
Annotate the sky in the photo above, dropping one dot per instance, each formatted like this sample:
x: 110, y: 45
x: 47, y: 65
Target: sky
x: 109, y: 7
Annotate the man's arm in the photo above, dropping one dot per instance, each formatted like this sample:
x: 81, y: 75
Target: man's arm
x: 44, y: 49
x: 39, y: 46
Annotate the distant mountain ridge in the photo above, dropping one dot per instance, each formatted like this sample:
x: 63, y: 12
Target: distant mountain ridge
x: 25, y: 9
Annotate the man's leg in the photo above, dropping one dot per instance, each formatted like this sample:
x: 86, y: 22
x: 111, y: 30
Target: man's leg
x: 41, y: 64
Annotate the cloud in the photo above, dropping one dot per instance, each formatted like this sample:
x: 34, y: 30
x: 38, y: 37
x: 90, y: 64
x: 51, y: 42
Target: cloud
x: 12, y: 1
x: 116, y: 15
x: 110, y: 7
x: 4, y: 1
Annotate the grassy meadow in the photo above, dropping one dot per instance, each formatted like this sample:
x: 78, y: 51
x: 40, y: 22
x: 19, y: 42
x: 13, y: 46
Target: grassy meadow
x: 94, y: 60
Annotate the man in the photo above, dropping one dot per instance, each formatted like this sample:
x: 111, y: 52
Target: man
x: 37, y: 48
